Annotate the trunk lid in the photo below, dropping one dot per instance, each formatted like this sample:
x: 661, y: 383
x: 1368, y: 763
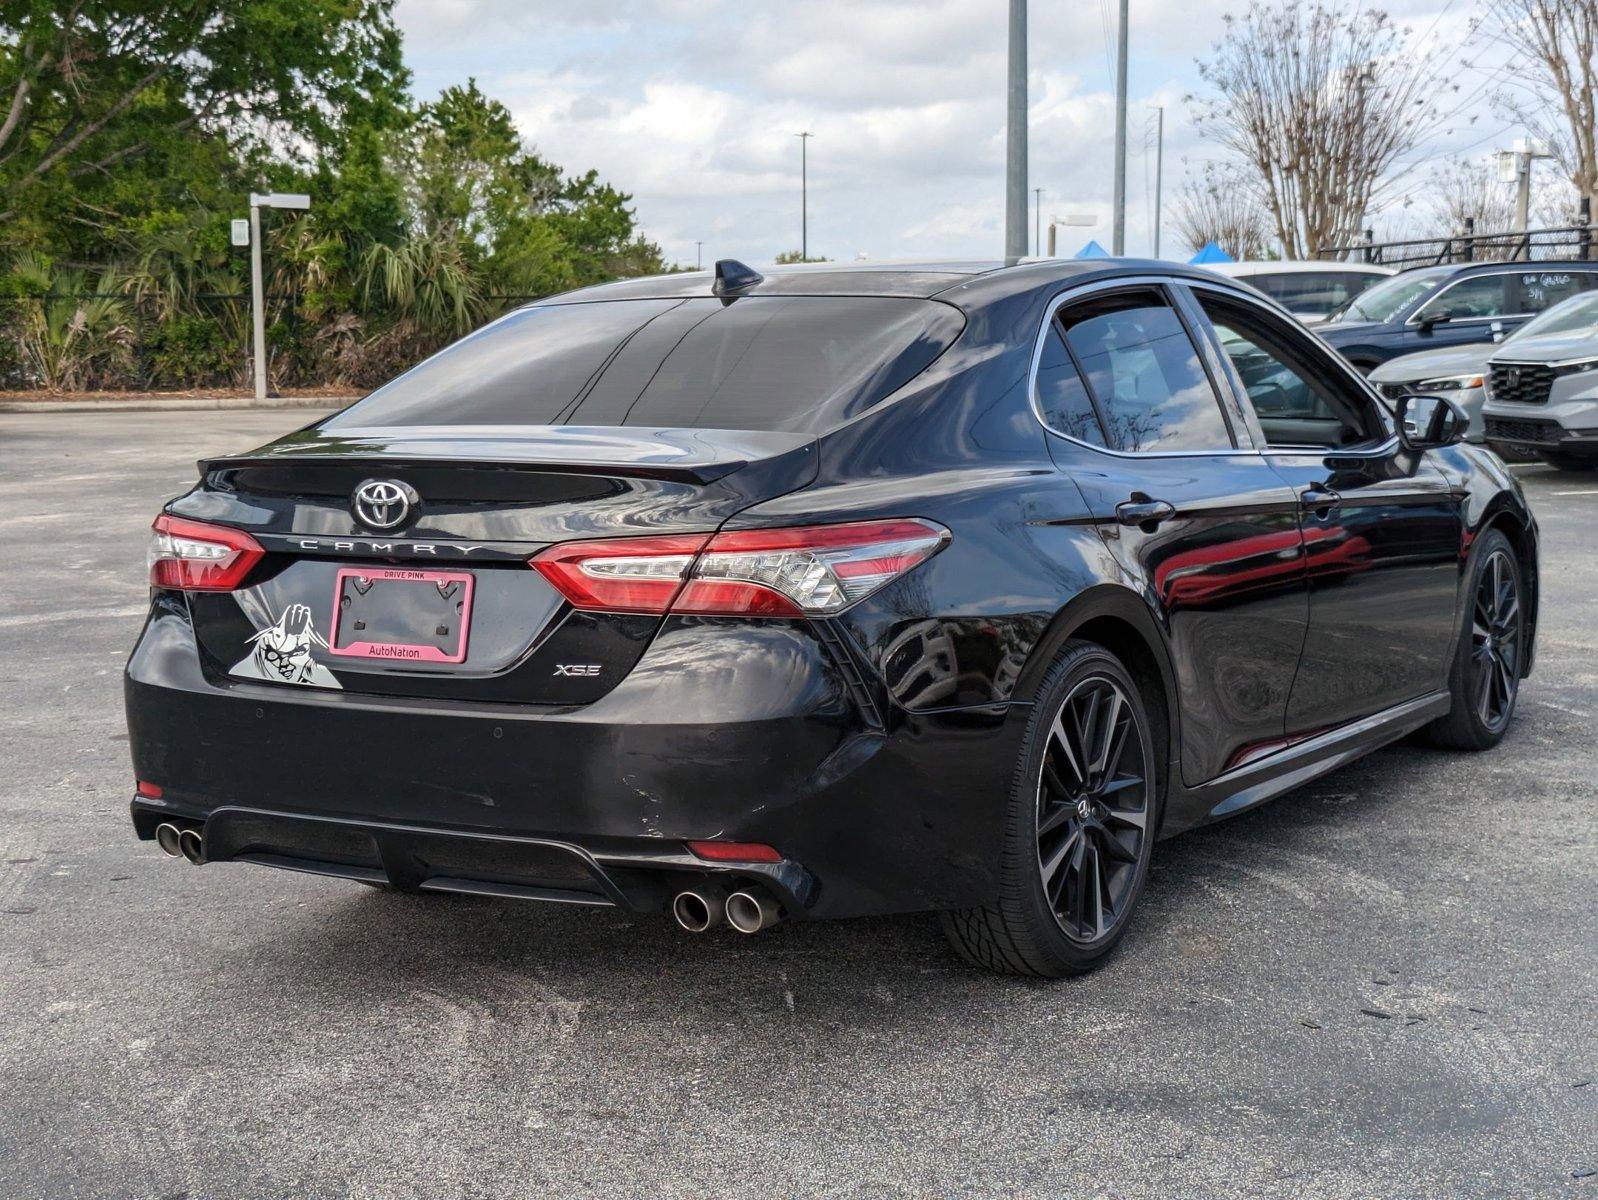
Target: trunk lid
x: 442, y: 604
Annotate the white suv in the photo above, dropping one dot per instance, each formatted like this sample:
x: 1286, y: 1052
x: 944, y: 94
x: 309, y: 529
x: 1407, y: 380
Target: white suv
x: 1542, y: 390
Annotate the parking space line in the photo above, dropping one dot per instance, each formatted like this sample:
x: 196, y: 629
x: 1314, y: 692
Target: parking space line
x: 1583, y: 492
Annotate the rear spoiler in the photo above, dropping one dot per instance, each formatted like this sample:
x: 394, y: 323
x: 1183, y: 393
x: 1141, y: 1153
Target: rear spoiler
x: 697, y: 456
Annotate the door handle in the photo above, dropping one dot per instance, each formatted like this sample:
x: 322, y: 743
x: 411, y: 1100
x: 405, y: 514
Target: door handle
x: 1140, y: 510
x: 1319, y: 500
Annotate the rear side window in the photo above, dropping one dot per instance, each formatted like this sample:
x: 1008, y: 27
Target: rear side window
x: 1313, y: 292
x: 1540, y: 290
x: 760, y: 363
x: 1144, y: 373
x: 1063, y: 399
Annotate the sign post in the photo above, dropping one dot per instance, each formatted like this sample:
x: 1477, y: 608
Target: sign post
x: 294, y: 200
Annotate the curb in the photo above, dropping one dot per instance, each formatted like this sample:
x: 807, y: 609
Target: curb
x: 173, y: 404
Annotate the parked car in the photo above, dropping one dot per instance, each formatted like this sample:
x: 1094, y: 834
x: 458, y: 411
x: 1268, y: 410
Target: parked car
x: 1542, y: 390
x: 1436, y: 307
x: 826, y: 593
x: 1460, y: 372
x: 1310, y: 290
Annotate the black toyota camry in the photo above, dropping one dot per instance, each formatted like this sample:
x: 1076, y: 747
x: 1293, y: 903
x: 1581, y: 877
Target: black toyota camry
x: 824, y: 593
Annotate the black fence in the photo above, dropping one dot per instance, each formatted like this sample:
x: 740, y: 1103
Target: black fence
x: 1535, y: 245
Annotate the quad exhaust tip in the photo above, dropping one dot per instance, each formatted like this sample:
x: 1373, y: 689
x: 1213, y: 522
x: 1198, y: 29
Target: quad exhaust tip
x: 752, y: 909
x: 700, y: 908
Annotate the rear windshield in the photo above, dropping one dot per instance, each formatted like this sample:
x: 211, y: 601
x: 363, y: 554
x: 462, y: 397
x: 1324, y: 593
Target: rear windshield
x: 761, y: 363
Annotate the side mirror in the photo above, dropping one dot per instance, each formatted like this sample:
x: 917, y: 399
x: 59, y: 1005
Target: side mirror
x: 1430, y: 422
x: 1436, y: 317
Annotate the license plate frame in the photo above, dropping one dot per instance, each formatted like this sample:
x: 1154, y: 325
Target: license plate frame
x: 396, y: 651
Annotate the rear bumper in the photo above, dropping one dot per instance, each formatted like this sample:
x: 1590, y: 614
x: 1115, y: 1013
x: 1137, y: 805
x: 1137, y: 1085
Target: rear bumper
x: 739, y: 731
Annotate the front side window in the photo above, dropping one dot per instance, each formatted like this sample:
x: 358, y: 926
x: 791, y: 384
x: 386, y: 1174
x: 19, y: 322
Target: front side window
x: 1144, y: 373
x: 1298, y: 396
x: 1476, y: 298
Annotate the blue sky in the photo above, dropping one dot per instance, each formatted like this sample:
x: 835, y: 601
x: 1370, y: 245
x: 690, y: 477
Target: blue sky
x: 691, y: 105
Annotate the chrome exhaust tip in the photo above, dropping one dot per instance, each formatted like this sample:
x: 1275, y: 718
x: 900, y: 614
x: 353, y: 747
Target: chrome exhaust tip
x: 751, y: 910
x: 700, y: 908
x: 169, y: 837
x: 192, y: 846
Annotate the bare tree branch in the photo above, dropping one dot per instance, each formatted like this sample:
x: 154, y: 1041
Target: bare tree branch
x: 1319, y: 105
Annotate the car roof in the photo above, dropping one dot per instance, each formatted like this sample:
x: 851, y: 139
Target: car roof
x: 1262, y: 266
x: 983, y: 279
x: 1451, y: 270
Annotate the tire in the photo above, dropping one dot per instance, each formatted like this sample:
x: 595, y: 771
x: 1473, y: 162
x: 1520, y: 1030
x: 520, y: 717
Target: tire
x: 1102, y: 850
x: 1568, y: 462
x: 1492, y: 644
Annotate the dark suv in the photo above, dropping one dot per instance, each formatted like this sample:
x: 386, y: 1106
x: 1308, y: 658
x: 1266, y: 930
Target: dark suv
x: 1455, y: 305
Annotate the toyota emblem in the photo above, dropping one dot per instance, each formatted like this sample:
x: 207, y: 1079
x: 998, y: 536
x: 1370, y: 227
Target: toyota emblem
x: 384, y: 503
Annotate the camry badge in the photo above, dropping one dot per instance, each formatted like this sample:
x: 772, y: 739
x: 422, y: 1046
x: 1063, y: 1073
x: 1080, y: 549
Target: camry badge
x: 384, y: 503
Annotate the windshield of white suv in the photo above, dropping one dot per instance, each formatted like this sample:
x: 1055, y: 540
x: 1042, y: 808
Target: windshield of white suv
x: 1389, y: 298
x: 1579, y: 314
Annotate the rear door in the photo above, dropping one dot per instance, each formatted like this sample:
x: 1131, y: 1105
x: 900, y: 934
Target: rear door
x: 1382, y: 529
x: 1197, y: 521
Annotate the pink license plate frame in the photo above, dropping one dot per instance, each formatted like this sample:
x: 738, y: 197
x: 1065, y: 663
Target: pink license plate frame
x: 402, y: 651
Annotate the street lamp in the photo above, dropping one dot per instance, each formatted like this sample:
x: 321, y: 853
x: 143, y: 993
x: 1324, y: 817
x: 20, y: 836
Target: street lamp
x: 294, y: 200
x: 804, y: 195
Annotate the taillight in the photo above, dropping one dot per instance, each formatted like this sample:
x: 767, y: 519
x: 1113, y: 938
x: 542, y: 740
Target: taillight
x: 719, y: 851
x: 812, y: 570
x: 641, y: 574
x: 195, y: 557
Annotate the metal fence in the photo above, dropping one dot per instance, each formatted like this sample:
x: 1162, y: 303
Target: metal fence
x: 1536, y: 245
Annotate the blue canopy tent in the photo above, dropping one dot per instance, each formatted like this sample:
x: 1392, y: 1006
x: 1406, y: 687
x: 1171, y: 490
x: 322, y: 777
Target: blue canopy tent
x: 1093, y: 250
x: 1211, y: 254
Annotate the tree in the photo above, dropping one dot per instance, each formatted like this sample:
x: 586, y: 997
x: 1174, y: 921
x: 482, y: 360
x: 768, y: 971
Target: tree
x: 1221, y: 208
x: 89, y: 86
x: 1317, y: 106
x: 1555, y: 78
x: 790, y: 257
x: 1472, y: 188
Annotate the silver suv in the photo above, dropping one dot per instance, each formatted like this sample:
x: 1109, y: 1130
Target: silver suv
x: 1542, y: 390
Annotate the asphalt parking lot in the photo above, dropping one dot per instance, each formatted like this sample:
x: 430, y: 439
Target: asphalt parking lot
x: 1384, y: 985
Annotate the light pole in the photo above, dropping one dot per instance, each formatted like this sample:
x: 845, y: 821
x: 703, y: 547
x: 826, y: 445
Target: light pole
x: 804, y: 194
x: 1016, y: 138
x: 1159, y: 170
x: 1118, y: 226
x: 699, y: 255
x: 295, y: 200
x: 1514, y: 166
x: 1080, y: 220
x: 1037, y: 220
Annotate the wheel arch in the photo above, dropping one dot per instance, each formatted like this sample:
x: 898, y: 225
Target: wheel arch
x: 1118, y: 619
x: 1514, y: 524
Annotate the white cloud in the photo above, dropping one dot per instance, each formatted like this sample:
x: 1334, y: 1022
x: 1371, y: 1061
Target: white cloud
x: 691, y: 105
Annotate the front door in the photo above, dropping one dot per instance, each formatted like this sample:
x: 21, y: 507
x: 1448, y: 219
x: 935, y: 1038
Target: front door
x: 1208, y: 531
x: 1382, y: 529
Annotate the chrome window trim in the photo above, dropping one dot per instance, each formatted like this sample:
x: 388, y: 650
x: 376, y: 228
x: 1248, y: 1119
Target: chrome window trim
x: 1118, y: 283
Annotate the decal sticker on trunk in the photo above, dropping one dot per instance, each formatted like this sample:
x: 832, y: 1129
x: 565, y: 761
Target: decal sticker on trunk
x: 282, y: 652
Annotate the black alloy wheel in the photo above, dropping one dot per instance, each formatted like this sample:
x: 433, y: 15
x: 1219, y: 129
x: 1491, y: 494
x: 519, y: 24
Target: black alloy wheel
x: 1490, y: 657
x: 1495, y: 641
x: 1092, y: 809
x: 1082, y: 816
